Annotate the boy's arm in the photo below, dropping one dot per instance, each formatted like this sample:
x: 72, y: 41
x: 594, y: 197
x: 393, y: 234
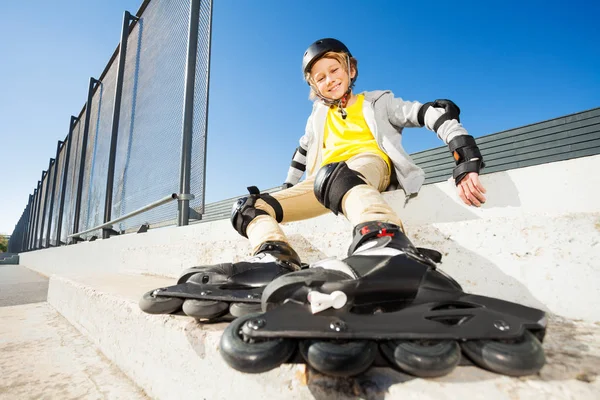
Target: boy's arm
x: 298, y: 164
x: 440, y: 116
x: 297, y: 167
x: 443, y: 118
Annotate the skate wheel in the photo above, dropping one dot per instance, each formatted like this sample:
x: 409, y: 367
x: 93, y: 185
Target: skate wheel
x: 422, y: 359
x: 339, y: 358
x: 159, y: 305
x: 253, y: 356
x: 241, y: 309
x: 204, y: 309
x: 523, y: 356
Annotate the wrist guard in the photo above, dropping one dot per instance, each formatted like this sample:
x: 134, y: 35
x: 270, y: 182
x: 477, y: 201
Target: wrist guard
x: 467, y: 156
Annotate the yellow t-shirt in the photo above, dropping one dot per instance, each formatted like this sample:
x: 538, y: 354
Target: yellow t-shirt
x: 348, y: 137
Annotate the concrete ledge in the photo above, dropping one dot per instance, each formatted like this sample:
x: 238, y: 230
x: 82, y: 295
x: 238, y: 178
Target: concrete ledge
x: 527, y: 259
x: 536, y: 241
x: 171, y: 357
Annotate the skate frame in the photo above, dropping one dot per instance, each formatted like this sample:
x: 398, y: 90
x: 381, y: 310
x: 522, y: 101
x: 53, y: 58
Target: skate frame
x: 241, y: 294
x: 468, y: 317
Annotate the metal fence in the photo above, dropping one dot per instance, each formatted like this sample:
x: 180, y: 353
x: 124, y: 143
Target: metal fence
x: 135, y: 155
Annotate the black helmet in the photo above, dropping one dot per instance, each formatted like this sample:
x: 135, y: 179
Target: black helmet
x: 320, y: 47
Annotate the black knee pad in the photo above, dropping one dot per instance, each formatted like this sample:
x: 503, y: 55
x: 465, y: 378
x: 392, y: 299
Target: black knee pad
x: 243, y: 211
x: 333, y: 181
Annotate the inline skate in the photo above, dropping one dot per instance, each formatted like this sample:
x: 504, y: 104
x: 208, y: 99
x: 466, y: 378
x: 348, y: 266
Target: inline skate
x: 210, y: 292
x: 387, y: 300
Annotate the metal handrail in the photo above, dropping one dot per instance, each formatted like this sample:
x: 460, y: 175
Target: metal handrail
x: 164, y: 200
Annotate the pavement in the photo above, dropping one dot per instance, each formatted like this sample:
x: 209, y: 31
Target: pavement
x: 42, y: 356
x: 19, y: 285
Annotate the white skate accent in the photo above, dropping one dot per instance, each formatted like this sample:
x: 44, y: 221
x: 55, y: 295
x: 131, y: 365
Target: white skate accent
x: 335, y: 264
x: 261, y: 258
x: 321, y: 301
x: 379, y: 251
x: 379, y: 242
x: 378, y: 247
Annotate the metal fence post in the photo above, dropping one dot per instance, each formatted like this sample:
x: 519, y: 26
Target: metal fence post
x: 206, y: 105
x: 25, y: 223
x: 37, y: 212
x: 33, y: 216
x: 29, y: 206
x: 42, y: 225
x: 127, y: 18
x: 31, y: 219
x: 22, y: 246
x: 54, y: 181
x: 63, y: 190
x: 86, y: 128
x: 188, y: 117
x: 28, y: 227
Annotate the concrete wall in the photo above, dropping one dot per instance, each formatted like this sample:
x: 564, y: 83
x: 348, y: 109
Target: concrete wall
x: 535, y: 241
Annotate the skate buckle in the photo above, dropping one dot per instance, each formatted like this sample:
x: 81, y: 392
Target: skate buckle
x: 321, y: 301
x: 383, y: 232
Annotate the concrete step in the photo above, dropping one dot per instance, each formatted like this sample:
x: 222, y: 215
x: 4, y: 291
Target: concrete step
x: 43, y: 356
x: 10, y: 260
x: 172, y: 357
x: 6, y: 255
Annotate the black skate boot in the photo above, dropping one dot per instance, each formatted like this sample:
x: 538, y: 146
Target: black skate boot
x: 386, y: 298
x: 209, y: 292
x: 378, y: 235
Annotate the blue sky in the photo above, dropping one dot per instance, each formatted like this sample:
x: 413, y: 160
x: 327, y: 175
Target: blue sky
x: 506, y: 64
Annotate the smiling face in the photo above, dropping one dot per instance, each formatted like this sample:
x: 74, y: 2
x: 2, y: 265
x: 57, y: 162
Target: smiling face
x: 330, y: 77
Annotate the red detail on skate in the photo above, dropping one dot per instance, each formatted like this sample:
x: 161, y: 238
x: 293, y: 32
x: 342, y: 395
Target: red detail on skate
x: 364, y: 230
x: 384, y: 232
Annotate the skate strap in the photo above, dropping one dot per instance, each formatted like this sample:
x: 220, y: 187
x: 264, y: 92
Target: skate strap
x: 434, y: 255
x: 267, y: 198
x: 270, y: 200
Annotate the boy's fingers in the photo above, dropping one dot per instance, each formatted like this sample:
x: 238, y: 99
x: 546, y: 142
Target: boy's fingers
x: 475, y: 191
x: 461, y: 194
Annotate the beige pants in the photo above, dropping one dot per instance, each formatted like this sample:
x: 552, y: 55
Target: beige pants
x: 362, y: 203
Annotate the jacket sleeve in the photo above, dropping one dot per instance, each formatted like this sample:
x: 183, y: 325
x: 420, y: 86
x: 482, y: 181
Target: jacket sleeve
x: 298, y: 163
x: 404, y: 114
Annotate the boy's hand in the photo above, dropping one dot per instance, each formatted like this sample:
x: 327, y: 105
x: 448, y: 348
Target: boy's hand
x: 470, y: 190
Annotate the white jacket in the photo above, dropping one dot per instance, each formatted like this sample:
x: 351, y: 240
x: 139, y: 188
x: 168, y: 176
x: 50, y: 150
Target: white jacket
x: 386, y: 116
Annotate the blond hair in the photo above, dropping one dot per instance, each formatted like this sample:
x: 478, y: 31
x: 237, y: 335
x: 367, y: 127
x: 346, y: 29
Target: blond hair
x: 340, y: 57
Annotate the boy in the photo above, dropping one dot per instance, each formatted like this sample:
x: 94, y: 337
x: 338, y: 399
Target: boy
x: 351, y: 152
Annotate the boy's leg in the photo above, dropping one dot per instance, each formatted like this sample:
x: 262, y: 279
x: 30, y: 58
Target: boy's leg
x: 297, y: 203
x: 364, y: 203
x: 354, y: 188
